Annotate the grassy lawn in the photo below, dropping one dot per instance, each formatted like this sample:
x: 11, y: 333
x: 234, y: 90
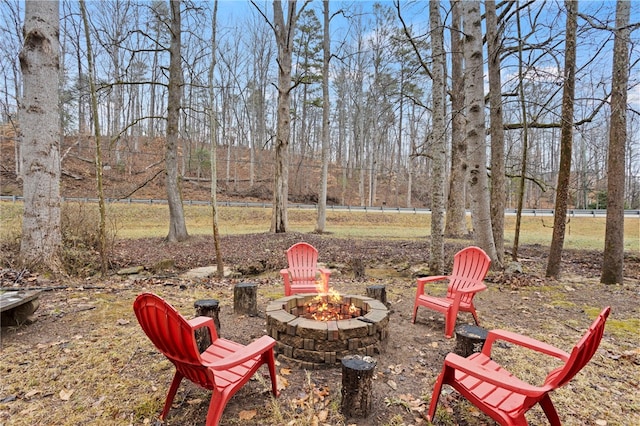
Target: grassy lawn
x: 138, y: 220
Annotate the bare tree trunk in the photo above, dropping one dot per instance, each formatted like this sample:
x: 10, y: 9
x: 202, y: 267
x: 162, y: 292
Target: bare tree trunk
x: 566, y: 141
x: 284, y: 41
x: 40, y: 133
x: 456, y: 224
x: 326, y: 47
x: 525, y: 143
x: 498, y: 196
x: 96, y: 129
x: 613, y: 259
x: 474, y: 96
x: 214, y: 144
x: 177, y: 225
x: 436, y: 259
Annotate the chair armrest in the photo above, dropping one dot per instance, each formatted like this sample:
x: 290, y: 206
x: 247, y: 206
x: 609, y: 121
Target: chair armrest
x: 493, y: 377
x: 324, y: 271
x: 524, y: 341
x: 473, y: 289
x: 199, y: 322
x: 423, y: 280
x: 255, y: 348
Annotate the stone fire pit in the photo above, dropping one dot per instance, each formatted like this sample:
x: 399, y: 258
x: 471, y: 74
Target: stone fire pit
x: 314, y: 344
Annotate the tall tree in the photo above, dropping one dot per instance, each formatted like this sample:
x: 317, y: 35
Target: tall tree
x: 613, y: 259
x: 213, y: 125
x: 102, y: 233
x: 40, y: 131
x: 498, y: 196
x: 477, y: 145
x: 284, y: 35
x: 177, y: 225
x: 456, y: 223
x: 439, y: 135
x: 566, y: 141
x: 326, y: 106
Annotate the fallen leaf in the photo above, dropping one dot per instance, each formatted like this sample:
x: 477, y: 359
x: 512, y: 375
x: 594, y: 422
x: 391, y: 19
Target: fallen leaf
x: 282, y: 382
x: 65, y: 394
x: 247, y: 414
x: 434, y: 344
x: 322, y: 415
x: 392, y: 385
x: 194, y: 401
x: 285, y: 371
x: 31, y: 394
x: 122, y: 322
x: 601, y: 422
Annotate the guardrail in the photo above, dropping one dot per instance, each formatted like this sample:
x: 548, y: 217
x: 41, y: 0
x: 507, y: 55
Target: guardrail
x: 376, y: 209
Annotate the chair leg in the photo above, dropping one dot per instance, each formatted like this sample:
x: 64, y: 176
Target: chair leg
x: 475, y: 315
x: 449, y: 323
x: 216, y: 407
x: 415, y: 313
x: 435, y: 396
x: 550, y: 410
x: 177, y: 378
x: 271, y: 363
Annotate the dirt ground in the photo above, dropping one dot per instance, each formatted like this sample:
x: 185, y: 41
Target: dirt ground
x: 86, y: 361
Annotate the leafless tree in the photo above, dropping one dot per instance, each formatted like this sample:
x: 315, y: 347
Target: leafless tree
x: 177, y: 224
x: 566, y: 141
x: 40, y: 131
x: 613, y: 259
x: 474, y: 102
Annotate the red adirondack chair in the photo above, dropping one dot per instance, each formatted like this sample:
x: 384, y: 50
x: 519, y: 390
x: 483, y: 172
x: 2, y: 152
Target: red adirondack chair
x: 224, y: 367
x: 501, y: 395
x: 303, y: 273
x: 470, y: 266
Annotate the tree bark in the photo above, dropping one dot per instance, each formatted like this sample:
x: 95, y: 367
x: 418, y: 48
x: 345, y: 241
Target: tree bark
x: 474, y: 99
x: 613, y: 259
x: 213, y: 125
x: 436, y: 259
x: 102, y: 237
x: 177, y: 225
x: 498, y: 194
x: 566, y: 141
x: 284, y: 41
x: 326, y: 129
x: 40, y: 134
x: 456, y: 223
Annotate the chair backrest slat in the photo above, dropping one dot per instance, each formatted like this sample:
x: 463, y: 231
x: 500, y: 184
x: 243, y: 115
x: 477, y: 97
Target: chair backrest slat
x: 582, y: 352
x: 303, y: 261
x: 470, y: 266
x: 172, y: 335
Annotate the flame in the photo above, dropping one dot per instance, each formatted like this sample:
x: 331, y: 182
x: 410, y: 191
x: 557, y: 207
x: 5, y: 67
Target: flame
x: 329, y: 307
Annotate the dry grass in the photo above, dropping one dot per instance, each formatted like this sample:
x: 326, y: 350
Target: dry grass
x: 138, y: 220
x: 86, y: 361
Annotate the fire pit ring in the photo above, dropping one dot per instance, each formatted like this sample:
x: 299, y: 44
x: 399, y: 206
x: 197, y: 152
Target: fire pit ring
x: 314, y: 344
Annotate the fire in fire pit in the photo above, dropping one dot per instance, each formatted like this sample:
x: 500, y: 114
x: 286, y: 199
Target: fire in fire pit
x: 318, y: 331
x: 330, y: 307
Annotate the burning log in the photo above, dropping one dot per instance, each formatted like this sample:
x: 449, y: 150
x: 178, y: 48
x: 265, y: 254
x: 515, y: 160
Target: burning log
x: 357, y: 375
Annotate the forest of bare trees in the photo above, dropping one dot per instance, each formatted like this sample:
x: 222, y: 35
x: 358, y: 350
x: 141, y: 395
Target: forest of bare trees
x: 383, y: 122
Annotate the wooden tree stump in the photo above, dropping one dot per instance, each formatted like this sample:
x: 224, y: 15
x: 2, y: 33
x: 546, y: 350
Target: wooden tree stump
x: 357, y: 375
x: 469, y: 339
x: 206, y: 308
x: 378, y: 292
x: 358, y: 269
x: 245, y: 299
